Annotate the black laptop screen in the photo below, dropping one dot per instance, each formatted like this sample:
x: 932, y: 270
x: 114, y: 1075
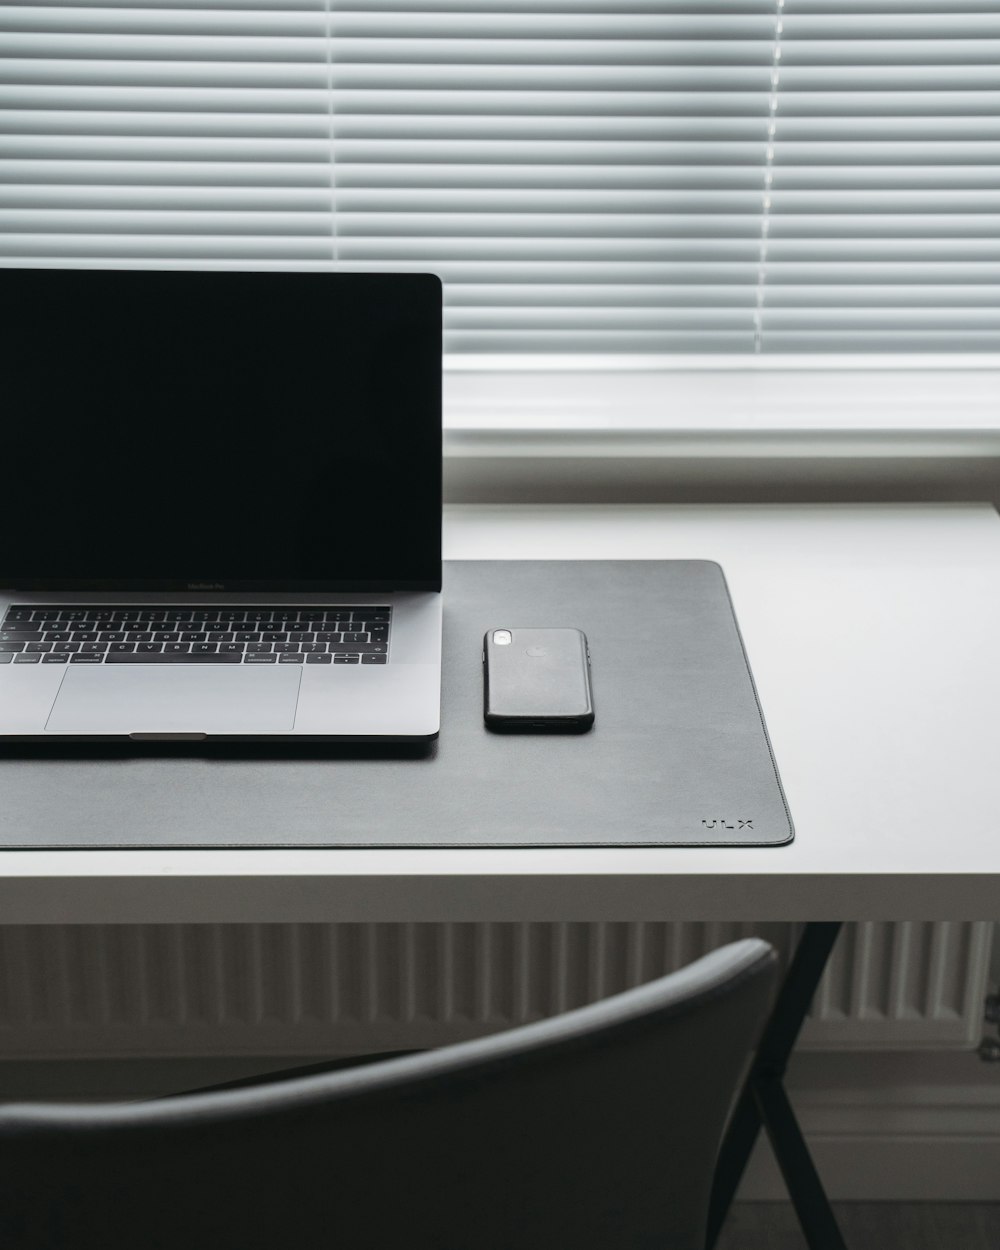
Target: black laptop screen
x: 221, y: 430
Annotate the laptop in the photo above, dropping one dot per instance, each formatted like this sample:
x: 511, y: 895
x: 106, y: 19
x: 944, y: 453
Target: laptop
x: 223, y: 501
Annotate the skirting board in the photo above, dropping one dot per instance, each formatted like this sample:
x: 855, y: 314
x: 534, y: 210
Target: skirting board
x: 893, y: 1128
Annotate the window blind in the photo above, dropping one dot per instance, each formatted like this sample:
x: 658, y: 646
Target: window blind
x: 883, y: 223
x: 738, y: 176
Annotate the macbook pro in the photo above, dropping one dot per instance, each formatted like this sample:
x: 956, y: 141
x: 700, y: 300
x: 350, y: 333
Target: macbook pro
x: 223, y: 502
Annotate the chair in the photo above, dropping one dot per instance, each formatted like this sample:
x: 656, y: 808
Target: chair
x: 595, y: 1130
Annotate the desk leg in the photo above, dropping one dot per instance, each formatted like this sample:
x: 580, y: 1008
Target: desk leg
x: 764, y: 1102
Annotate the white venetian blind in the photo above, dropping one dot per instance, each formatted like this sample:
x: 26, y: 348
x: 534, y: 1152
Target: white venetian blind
x: 883, y: 227
x: 166, y: 130
x: 587, y: 177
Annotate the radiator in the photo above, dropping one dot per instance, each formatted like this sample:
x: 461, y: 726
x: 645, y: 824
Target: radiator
x: 103, y: 991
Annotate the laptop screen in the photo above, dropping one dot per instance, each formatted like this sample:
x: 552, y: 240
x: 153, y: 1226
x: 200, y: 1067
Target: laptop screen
x: 219, y: 430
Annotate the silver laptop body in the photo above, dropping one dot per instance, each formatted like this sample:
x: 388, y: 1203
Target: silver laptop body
x: 229, y: 492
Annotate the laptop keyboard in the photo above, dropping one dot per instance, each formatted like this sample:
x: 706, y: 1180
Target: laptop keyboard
x: 202, y: 635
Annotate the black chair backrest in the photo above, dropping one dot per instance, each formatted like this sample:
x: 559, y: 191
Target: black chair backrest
x: 596, y: 1129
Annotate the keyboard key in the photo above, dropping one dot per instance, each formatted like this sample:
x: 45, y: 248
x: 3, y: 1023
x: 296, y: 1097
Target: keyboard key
x: 231, y: 648
x: 36, y: 647
x: 22, y: 626
x: 354, y: 636
x: 66, y: 646
x: 27, y: 659
x: 164, y: 635
x: 347, y: 659
x: 16, y: 635
x: 84, y: 636
x: 109, y: 635
x: 72, y: 614
x: 286, y: 648
x: 178, y: 614
x: 93, y: 648
x: 312, y: 648
x: 319, y: 659
x: 247, y: 637
x: 84, y: 659
x: 176, y: 648
x: 204, y: 648
x: 193, y: 636
x: 259, y: 659
x: 149, y: 648
x: 18, y: 614
x: 274, y: 637
x: 11, y: 648
x: 121, y: 648
x: 47, y: 614
x: 57, y: 635
x: 55, y: 659
x: 297, y: 627
x: 6, y: 657
x: 258, y: 648
x: 374, y: 659
x: 290, y: 659
x: 164, y: 657
x: 204, y: 614
x: 232, y: 614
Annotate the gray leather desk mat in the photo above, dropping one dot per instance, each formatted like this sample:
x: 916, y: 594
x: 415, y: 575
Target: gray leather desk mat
x: 678, y: 754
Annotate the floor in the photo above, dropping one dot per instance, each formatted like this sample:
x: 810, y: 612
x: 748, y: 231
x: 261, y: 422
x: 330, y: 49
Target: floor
x: 870, y: 1226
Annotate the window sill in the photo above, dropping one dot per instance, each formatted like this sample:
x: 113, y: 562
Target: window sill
x: 722, y: 434
x: 722, y: 412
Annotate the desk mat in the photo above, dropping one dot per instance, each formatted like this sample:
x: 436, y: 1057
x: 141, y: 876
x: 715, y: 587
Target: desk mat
x: 678, y: 755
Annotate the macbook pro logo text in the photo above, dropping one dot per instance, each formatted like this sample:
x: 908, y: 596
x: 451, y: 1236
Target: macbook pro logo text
x: 206, y: 585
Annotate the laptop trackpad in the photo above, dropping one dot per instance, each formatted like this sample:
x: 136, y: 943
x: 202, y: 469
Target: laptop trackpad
x: 176, y: 698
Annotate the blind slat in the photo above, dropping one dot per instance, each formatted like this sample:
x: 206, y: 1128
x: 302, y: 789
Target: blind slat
x: 426, y: 128
x: 354, y: 21
x: 555, y: 204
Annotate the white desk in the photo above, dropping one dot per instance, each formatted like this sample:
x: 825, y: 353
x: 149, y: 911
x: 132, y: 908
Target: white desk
x: 874, y: 637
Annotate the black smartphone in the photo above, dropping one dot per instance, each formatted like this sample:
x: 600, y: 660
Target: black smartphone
x: 537, y: 681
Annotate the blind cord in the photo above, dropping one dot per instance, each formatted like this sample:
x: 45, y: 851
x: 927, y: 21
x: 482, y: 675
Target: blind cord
x: 765, y: 218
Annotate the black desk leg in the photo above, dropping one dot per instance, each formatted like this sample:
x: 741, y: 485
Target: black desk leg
x: 764, y: 1101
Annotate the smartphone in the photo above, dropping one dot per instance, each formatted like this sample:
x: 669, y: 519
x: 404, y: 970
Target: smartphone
x: 537, y: 681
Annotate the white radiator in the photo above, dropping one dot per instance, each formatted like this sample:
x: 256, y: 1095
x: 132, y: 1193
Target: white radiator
x: 93, y: 991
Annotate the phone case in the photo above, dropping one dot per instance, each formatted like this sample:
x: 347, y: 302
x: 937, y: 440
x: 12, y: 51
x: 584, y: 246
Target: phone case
x: 538, y: 682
